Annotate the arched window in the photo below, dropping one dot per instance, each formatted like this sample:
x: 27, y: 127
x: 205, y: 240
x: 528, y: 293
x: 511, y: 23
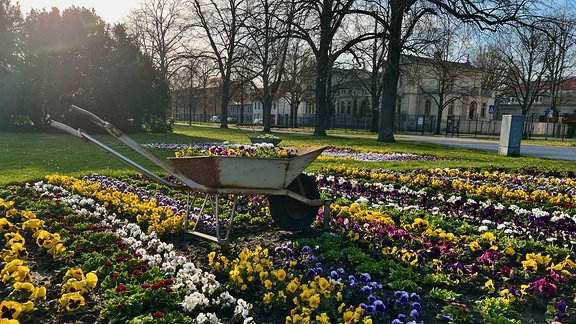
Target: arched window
x: 472, y: 110
x: 483, y: 110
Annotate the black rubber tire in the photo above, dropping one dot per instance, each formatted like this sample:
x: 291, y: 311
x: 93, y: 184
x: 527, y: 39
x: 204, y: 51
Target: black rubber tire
x: 293, y: 215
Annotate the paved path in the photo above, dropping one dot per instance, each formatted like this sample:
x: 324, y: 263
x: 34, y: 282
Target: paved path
x: 533, y: 150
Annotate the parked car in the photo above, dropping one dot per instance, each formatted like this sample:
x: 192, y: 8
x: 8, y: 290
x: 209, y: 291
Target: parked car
x: 215, y: 119
x: 258, y: 121
x: 232, y: 120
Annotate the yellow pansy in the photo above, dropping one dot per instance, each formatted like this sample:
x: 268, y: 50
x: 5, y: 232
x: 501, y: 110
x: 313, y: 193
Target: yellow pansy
x: 314, y: 301
x: 489, y: 286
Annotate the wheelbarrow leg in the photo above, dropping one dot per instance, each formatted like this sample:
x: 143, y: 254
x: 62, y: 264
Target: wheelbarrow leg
x: 189, y: 206
x: 228, y: 226
x: 214, y: 202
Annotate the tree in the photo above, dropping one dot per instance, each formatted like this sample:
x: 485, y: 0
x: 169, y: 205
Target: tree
x: 442, y: 76
x: 489, y: 61
x: 560, y: 31
x: 321, y: 23
x: 299, y: 78
x: 402, y: 16
x: 11, y: 21
x: 244, y: 75
x: 524, y: 52
x: 130, y: 89
x: 62, y: 57
x: 222, y: 23
x: 268, y: 39
x: 371, y: 56
x: 74, y: 58
x: 161, y: 26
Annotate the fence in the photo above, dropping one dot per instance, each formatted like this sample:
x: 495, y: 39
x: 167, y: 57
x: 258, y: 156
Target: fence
x: 426, y: 125
x: 455, y: 126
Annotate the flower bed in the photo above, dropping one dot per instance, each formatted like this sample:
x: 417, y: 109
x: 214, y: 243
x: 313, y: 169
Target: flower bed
x: 431, y: 246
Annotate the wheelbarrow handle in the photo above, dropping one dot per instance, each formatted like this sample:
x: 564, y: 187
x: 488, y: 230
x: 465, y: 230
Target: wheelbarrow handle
x: 88, y: 115
x: 118, y: 134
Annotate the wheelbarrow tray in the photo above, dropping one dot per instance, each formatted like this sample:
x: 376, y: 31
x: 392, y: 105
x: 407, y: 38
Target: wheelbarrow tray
x: 246, y: 172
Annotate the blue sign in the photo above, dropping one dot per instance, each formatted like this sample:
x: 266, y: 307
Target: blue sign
x: 491, y: 109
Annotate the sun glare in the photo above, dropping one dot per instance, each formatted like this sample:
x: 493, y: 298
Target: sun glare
x: 111, y: 11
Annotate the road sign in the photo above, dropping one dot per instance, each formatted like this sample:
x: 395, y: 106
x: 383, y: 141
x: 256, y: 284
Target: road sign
x: 491, y: 109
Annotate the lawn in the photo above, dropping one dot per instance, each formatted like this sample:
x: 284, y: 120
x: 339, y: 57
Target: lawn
x: 420, y: 234
x: 27, y: 157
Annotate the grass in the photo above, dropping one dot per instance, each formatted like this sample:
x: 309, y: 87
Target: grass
x: 31, y: 156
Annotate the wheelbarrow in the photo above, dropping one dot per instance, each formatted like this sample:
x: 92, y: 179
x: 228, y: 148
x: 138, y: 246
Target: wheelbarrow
x: 255, y: 139
x: 293, y: 197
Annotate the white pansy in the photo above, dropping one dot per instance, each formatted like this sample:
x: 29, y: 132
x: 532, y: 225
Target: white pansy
x: 158, y: 253
x: 194, y: 300
x: 362, y: 200
x: 242, y: 308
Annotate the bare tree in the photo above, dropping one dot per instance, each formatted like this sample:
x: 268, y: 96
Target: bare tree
x: 244, y: 74
x: 371, y: 57
x: 191, y: 81
x: 402, y: 16
x: 268, y: 42
x: 489, y: 61
x: 221, y: 23
x: 299, y: 78
x: 561, y: 33
x: 445, y: 75
x: 525, y: 52
x: 206, y: 70
x: 322, y: 24
x: 160, y: 26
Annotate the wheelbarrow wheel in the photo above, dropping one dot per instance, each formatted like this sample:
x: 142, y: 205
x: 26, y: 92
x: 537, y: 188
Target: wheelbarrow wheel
x: 291, y: 214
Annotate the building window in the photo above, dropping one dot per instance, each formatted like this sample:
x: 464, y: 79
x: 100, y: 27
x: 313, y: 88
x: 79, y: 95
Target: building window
x: 349, y: 110
x: 472, y: 110
x: 483, y: 110
x: 398, y: 104
x: 451, y: 109
x: 427, y: 107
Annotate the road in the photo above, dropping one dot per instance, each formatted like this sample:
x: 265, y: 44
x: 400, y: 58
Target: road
x: 533, y: 150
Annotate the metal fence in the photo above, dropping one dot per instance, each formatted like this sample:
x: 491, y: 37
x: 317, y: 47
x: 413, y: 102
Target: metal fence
x: 426, y: 125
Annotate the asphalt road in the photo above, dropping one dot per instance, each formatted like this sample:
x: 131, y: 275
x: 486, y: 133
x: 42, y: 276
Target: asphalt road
x: 533, y: 150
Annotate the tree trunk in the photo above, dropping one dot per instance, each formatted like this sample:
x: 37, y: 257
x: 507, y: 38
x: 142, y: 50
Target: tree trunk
x: 266, y: 112
x: 389, y: 93
x: 224, y: 104
x: 439, y: 117
x: 391, y: 74
x: 320, y: 122
x: 323, y: 69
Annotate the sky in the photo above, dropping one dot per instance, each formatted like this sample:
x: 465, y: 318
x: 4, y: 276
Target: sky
x: 111, y: 11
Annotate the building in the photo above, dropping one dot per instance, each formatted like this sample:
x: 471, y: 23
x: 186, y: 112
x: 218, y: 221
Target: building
x: 421, y: 89
x: 541, y: 108
x: 425, y: 84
